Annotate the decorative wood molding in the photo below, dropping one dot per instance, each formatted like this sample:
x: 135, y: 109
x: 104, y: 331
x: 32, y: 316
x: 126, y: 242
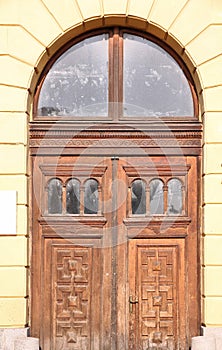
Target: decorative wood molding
x: 135, y: 134
x: 115, y: 142
x: 92, y: 220
x: 72, y: 169
x: 160, y: 138
x: 147, y: 227
x: 157, y: 169
x: 156, y: 220
x: 72, y: 226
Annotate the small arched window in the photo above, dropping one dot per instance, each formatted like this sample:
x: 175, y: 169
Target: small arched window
x: 175, y: 200
x: 138, y: 197
x: 156, y: 197
x: 55, y: 196
x: 91, y: 197
x: 118, y: 74
x: 73, y: 196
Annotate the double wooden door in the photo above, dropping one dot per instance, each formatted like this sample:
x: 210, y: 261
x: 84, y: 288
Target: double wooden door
x: 115, y: 262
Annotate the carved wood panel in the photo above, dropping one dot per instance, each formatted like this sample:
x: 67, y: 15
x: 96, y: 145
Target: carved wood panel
x: 158, y: 284
x: 72, y: 295
x: 72, y: 271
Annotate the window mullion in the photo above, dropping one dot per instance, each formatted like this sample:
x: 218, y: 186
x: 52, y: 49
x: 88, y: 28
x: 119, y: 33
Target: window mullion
x: 115, y: 74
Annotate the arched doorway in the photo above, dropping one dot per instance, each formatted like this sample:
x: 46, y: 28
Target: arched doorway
x: 115, y: 152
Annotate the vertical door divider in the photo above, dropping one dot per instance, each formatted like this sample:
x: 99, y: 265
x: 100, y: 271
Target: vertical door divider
x: 114, y: 240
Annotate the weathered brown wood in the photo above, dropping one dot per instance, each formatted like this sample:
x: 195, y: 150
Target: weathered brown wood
x: 119, y: 242
x: 157, y: 282
x: 179, y: 139
x: 193, y: 242
x: 72, y: 271
x: 36, y: 256
x: 114, y: 233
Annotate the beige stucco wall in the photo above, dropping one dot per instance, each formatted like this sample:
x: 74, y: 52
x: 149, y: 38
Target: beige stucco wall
x: 27, y: 28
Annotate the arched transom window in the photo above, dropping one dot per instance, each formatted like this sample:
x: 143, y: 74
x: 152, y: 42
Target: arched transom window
x: 114, y: 75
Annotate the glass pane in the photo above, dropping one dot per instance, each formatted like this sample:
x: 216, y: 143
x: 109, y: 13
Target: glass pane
x: 91, y: 197
x: 154, y: 84
x: 156, y: 197
x: 138, y: 197
x: 55, y: 197
x: 174, y: 197
x: 72, y: 197
x: 77, y: 83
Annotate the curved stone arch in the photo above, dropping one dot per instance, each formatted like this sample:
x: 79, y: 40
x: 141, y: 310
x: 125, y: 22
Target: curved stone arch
x: 117, y: 20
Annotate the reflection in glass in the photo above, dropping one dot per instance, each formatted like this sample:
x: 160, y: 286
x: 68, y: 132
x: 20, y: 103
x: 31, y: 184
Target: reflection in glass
x: 156, y: 197
x: 138, y: 197
x: 72, y: 197
x: 154, y: 84
x: 77, y: 83
x: 55, y: 197
x: 91, y: 197
x: 174, y: 197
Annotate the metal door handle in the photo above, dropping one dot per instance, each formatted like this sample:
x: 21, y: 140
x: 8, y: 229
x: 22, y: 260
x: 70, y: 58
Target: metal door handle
x: 132, y: 300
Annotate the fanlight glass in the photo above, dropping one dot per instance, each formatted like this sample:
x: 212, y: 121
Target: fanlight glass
x: 91, y: 197
x: 55, y: 197
x: 156, y: 197
x: 174, y: 197
x: 77, y: 83
x: 73, y: 197
x: 138, y: 197
x: 153, y: 82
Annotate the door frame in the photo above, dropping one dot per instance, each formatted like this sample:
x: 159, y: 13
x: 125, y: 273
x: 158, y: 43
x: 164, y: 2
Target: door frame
x: 186, y: 139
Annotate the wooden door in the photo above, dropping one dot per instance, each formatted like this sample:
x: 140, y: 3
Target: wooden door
x: 120, y: 270
x: 157, y: 291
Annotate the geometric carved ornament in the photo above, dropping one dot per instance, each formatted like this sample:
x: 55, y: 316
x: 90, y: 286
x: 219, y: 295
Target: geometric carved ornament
x: 158, y: 300
x: 72, y: 298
